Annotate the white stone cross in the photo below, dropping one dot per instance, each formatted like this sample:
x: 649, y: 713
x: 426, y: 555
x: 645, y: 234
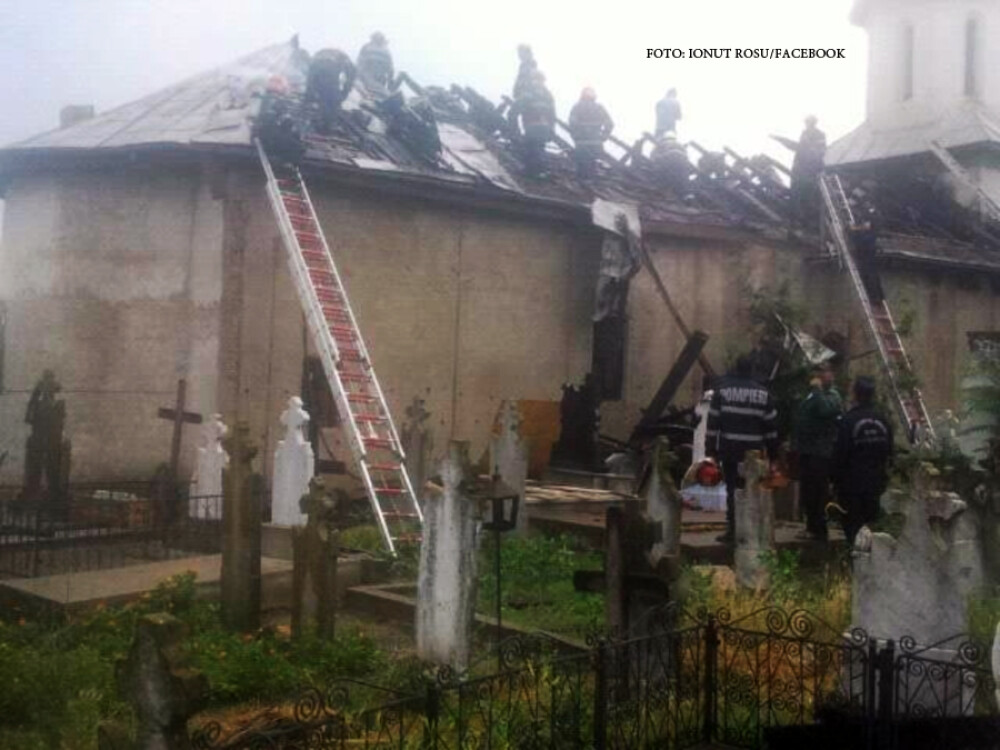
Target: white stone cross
x: 205, y: 501
x: 294, y: 466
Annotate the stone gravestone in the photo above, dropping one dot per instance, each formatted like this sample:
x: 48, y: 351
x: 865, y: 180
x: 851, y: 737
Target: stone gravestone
x: 294, y: 465
x: 206, y: 483
x: 314, y: 553
x: 241, y: 533
x: 663, y: 505
x: 918, y: 584
x: 163, y: 689
x: 417, y: 443
x: 754, y: 523
x: 446, y: 583
x: 509, y: 456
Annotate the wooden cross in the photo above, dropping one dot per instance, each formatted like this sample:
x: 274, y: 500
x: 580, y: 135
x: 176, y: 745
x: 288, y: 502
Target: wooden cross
x: 178, y: 416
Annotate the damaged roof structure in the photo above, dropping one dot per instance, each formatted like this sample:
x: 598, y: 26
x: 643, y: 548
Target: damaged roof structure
x: 139, y: 247
x: 213, y: 112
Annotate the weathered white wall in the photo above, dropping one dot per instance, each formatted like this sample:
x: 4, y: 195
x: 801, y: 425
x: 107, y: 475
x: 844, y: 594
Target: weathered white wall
x: 460, y: 308
x: 123, y: 281
x: 112, y: 280
x: 938, y: 59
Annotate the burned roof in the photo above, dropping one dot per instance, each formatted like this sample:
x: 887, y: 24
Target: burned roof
x: 214, y: 110
x: 479, y: 151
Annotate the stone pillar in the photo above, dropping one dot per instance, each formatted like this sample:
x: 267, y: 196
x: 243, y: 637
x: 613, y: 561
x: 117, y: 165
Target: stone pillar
x: 314, y: 554
x: 446, y: 595
x: 241, y: 511
x: 164, y: 691
x: 417, y: 443
x: 663, y: 504
x: 294, y: 466
x: 206, y: 483
x: 754, y: 523
x: 509, y: 457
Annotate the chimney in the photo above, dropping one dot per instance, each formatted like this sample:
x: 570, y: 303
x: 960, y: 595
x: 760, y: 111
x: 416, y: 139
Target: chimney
x: 74, y: 113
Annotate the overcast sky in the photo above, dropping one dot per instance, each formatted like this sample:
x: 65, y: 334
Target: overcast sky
x: 109, y: 52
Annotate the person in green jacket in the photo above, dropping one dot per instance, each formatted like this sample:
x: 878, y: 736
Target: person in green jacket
x: 814, y: 436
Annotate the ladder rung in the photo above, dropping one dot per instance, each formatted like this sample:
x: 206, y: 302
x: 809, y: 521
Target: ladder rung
x: 324, y: 279
x: 377, y: 442
x: 384, y: 467
x: 355, y: 377
x: 345, y: 330
x: 407, y: 538
x: 361, y: 398
x: 399, y: 515
x: 371, y: 418
x: 352, y: 355
x: 312, y: 254
x: 390, y: 490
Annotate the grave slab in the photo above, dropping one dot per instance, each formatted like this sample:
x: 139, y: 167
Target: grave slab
x: 76, y: 591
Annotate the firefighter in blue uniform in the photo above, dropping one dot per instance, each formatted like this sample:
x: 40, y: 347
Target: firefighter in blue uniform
x: 861, y: 458
x: 742, y: 417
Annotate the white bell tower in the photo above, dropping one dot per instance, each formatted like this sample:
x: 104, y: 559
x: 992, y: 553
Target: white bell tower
x: 933, y: 75
x: 929, y: 58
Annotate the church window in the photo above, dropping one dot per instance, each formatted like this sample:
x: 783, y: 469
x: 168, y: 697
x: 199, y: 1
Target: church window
x: 971, y: 57
x: 908, y: 62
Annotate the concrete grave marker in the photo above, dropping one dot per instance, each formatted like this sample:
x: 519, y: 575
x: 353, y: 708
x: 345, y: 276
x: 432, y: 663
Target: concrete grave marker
x: 314, y: 576
x: 446, y: 583
x: 754, y: 523
x: 163, y: 689
x: 417, y: 443
x: 663, y: 505
x: 241, y: 535
x: 206, y: 483
x: 920, y: 583
x: 995, y: 664
x: 294, y: 466
x: 509, y: 456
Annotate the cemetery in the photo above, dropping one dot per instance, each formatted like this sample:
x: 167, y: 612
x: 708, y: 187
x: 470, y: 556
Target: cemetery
x: 145, y: 614
x: 668, y: 447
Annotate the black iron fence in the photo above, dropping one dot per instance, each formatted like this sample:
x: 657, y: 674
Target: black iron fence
x: 97, y: 526
x: 770, y: 679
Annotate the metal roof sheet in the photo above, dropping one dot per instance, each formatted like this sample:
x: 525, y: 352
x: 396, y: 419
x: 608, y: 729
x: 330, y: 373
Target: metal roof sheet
x: 207, y: 108
x: 971, y: 124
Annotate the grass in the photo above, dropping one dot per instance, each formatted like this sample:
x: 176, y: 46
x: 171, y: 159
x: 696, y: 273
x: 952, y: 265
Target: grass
x: 59, y: 676
x: 536, y: 574
x: 537, y: 584
x: 824, y: 593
